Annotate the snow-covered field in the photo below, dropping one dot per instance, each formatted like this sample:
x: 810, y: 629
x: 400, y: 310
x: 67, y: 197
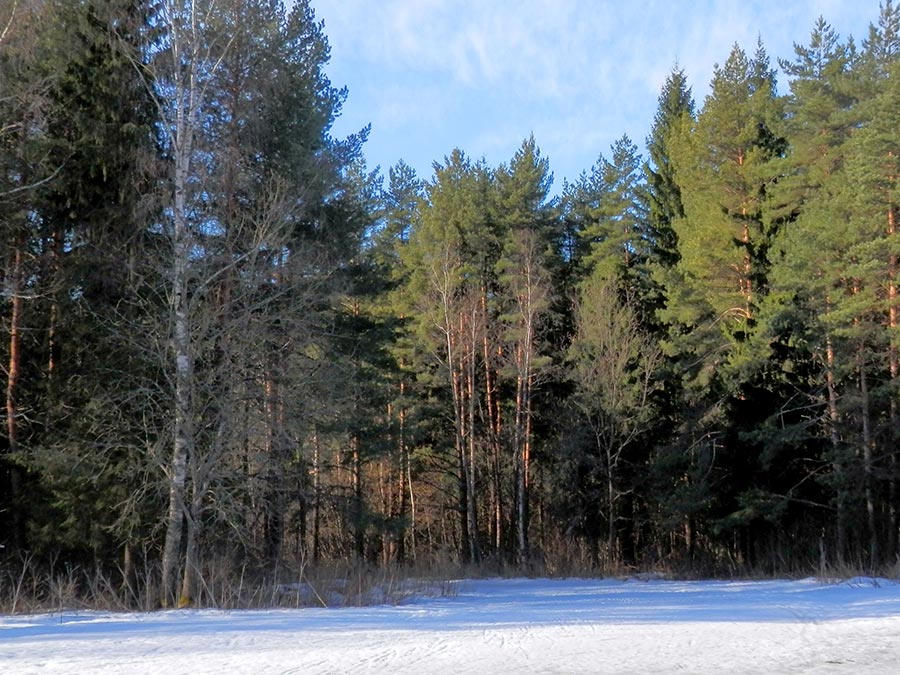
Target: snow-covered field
x: 494, y: 627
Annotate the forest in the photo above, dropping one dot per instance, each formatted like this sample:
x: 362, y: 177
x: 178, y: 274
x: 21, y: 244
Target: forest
x: 228, y: 344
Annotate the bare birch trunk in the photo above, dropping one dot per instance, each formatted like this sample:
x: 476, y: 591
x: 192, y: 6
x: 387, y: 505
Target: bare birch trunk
x: 524, y: 505
x: 519, y: 445
x: 611, y: 501
x: 183, y: 366
x: 191, y: 572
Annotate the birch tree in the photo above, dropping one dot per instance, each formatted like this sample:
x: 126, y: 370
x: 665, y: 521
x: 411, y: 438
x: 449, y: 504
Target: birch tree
x: 180, y: 73
x: 256, y: 207
x: 445, y: 295
x: 613, y: 367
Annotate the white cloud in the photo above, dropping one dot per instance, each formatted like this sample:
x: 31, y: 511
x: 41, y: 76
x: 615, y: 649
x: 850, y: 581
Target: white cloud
x: 483, y: 74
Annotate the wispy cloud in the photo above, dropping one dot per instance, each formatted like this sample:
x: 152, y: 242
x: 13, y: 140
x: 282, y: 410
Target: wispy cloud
x: 434, y: 74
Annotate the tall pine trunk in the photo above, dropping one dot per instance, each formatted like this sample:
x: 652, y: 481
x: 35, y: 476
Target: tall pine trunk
x: 14, y: 280
x: 492, y: 405
x: 894, y: 365
x: 474, y: 324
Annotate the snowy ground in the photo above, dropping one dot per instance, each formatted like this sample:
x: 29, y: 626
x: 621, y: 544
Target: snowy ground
x: 494, y: 627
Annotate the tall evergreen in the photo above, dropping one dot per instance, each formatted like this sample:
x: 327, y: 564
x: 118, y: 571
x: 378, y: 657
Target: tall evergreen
x: 24, y: 149
x: 664, y: 193
x: 449, y: 258
x: 618, y: 235
x: 872, y: 171
x: 529, y: 256
x: 723, y: 163
x: 809, y: 252
x: 95, y: 216
x: 88, y: 205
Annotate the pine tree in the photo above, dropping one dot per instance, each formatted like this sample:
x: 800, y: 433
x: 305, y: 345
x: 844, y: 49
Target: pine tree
x: 721, y: 167
x: 618, y: 236
x: 524, y: 274
x: 448, y: 259
x: 723, y: 163
x: 811, y: 240
x: 401, y: 204
x: 872, y: 171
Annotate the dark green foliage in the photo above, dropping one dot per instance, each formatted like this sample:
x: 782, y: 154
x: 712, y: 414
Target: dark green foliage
x: 664, y: 193
x: 689, y: 360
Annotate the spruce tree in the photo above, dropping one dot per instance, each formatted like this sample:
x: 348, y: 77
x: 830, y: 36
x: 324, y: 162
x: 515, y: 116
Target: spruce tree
x: 663, y: 191
x: 94, y: 216
x: 24, y: 150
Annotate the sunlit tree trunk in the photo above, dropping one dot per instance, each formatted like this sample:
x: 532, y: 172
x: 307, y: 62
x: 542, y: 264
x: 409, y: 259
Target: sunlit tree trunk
x: 14, y: 281
x: 471, y: 324
x: 894, y: 365
x: 495, y: 439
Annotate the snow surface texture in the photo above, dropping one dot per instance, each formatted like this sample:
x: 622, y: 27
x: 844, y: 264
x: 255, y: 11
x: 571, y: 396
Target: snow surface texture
x: 494, y: 627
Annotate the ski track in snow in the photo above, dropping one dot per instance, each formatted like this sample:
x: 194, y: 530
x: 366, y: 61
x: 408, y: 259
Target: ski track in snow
x: 493, y: 627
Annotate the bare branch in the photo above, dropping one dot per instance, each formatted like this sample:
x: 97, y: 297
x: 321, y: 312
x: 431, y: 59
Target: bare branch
x: 32, y: 186
x: 12, y: 14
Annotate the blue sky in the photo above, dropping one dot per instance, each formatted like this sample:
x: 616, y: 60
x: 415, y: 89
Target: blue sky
x: 482, y: 75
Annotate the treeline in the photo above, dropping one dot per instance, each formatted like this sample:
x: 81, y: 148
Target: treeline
x: 228, y: 342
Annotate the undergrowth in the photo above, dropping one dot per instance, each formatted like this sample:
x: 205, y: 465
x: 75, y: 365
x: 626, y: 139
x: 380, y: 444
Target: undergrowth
x: 28, y: 586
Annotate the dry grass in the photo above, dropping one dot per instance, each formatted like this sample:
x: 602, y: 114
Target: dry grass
x: 27, y: 587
